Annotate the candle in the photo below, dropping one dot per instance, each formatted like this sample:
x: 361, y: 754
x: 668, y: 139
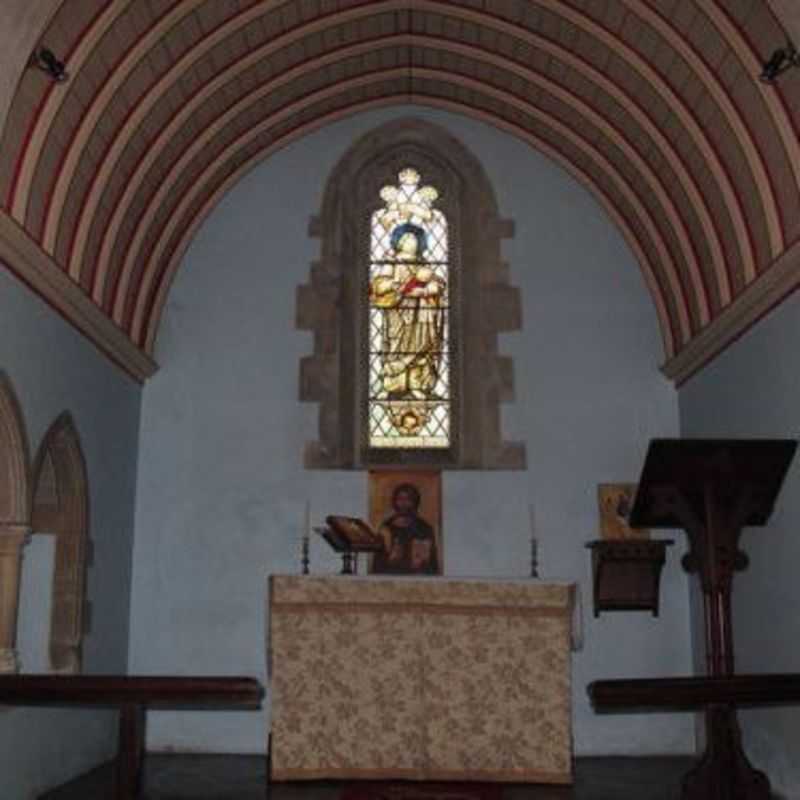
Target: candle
x: 534, y: 543
x: 305, y: 540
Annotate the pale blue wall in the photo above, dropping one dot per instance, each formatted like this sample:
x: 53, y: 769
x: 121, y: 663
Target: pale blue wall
x: 221, y: 484
x: 53, y: 369
x: 753, y: 390
x: 36, y: 603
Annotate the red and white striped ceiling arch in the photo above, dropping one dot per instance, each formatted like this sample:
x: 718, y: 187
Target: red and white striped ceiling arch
x: 654, y: 106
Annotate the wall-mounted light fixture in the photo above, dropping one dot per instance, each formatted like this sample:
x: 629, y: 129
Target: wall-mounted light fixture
x: 46, y: 61
x: 782, y: 59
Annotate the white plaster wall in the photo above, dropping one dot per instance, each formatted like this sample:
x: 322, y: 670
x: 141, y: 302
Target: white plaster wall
x: 53, y: 368
x: 753, y: 390
x: 221, y: 487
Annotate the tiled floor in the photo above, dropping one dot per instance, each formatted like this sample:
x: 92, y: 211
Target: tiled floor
x: 177, y: 777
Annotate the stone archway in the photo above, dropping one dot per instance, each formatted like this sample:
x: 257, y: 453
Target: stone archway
x: 331, y: 304
x: 60, y: 507
x: 15, y: 508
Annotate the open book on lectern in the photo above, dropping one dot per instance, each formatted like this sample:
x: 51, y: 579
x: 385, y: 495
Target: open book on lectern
x: 351, y: 534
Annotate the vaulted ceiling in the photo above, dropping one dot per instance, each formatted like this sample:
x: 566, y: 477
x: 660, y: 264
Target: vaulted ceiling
x: 654, y: 105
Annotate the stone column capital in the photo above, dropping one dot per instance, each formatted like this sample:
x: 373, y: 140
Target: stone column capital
x: 9, y: 662
x: 13, y: 537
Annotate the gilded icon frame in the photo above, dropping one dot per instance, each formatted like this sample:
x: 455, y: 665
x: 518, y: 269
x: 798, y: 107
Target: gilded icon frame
x: 382, y: 485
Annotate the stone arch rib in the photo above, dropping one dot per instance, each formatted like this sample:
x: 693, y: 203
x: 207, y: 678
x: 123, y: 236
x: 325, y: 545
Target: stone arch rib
x: 651, y: 276
x: 49, y: 106
x: 696, y: 288
x: 751, y: 62
x: 743, y: 199
x: 15, y: 508
x: 731, y: 113
x: 153, y: 257
x: 64, y: 177
x: 685, y: 178
x: 462, y: 12
x: 15, y: 501
x: 113, y: 82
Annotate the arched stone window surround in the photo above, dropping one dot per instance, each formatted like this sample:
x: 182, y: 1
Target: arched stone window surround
x: 331, y: 304
x: 15, y: 512
x: 60, y: 507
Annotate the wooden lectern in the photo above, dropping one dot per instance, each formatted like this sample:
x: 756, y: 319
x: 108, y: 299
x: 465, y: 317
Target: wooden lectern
x: 711, y: 488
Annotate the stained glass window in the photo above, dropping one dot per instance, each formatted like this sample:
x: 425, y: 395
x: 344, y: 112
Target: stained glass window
x: 409, y: 397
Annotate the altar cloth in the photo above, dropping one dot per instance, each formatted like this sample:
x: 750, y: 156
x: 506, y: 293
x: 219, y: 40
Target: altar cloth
x: 420, y: 678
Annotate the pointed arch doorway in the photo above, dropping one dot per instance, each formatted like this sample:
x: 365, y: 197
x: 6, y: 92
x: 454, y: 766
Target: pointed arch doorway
x: 60, y: 508
x: 14, y: 517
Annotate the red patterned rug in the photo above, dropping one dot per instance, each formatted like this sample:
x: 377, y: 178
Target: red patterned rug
x: 399, y: 790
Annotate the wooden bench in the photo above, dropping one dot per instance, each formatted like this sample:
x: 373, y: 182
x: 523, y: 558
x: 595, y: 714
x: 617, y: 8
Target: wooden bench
x: 724, y: 769
x: 132, y: 696
x: 695, y: 693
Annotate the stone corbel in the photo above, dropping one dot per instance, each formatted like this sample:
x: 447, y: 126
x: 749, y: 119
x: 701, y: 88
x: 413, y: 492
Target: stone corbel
x: 13, y: 538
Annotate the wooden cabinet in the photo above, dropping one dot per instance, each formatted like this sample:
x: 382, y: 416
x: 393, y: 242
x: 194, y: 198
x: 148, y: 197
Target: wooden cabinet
x: 626, y: 574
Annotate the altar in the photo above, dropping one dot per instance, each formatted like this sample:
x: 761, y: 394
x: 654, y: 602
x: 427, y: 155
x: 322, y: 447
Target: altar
x: 420, y: 678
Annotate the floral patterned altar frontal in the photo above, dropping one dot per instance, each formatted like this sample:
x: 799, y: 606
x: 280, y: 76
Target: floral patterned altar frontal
x: 420, y: 678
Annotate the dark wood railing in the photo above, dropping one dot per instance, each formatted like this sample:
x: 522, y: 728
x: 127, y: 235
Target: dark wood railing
x: 132, y: 695
x: 694, y: 693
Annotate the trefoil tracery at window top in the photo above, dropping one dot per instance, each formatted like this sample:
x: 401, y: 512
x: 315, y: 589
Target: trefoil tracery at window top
x: 409, y: 402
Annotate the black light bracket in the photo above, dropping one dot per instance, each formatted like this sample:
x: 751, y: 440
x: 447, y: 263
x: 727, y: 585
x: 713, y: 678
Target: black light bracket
x: 782, y: 59
x: 46, y: 60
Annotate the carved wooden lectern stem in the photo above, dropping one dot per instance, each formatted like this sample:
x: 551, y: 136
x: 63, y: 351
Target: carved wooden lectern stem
x: 714, y: 555
x: 711, y: 489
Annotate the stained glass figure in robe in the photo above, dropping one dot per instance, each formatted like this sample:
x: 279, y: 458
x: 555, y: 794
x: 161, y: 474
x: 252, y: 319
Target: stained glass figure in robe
x: 409, y: 398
